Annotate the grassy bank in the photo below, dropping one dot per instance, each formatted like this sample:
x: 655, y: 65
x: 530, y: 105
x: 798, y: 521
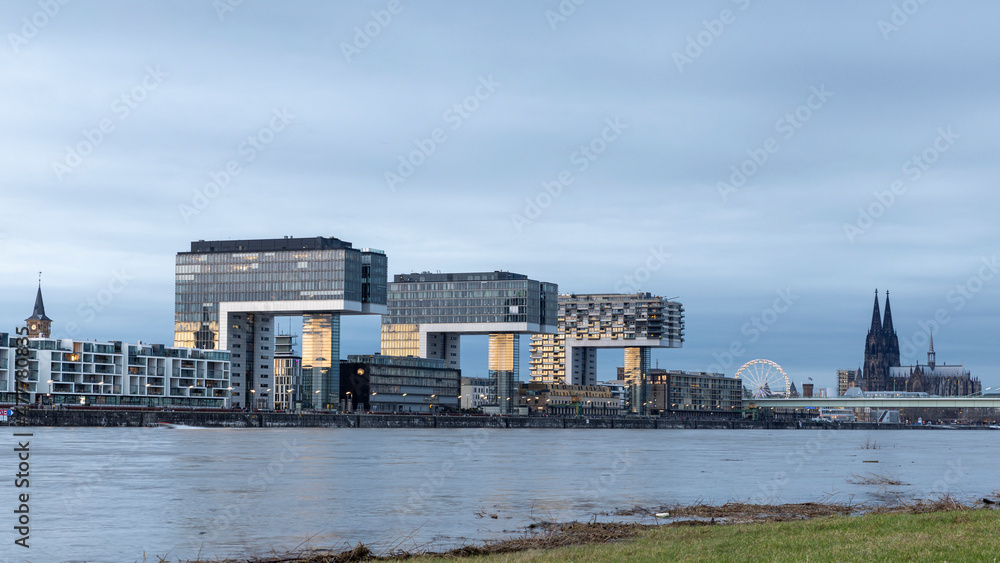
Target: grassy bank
x: 966, y: 535
x: 943, y: 530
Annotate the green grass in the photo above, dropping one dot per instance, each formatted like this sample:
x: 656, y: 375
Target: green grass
x: 969, y: 535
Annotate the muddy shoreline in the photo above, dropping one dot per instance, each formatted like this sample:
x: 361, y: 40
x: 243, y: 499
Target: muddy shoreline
x: 550, y: 535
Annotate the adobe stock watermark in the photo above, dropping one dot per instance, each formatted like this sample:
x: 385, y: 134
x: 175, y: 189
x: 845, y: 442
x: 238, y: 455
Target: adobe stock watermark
x: 84, y: 486
x: 248, y: 151
x: 562, y: 13
x: 958, y: 297
x: 656, y: 260
x: 581, y: 159
x: 956, y: 473
x: 435, y: 480
x: 32, y: 25
x: 601, y: 486
x: 225, y: 7
x: 913, y: 169
x: 261, y: 480
x: 89, y: 308
x: 121, y: 108
x: 455, y: 116
x: 713, y: 29
x: 752, y: 330
x: 796, y: 460
x: 786, y: 127
x: 900, y: 16
x: 366, y: 33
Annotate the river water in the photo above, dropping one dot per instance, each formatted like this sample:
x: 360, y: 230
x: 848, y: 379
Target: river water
x: 122, y: 494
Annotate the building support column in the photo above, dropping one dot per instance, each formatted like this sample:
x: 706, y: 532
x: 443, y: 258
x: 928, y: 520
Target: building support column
x: 637, y: 379
x: 504, y: 361
x: 320, y: 361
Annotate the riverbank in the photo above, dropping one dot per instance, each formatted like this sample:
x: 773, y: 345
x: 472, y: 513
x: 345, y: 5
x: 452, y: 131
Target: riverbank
x: 94, y: 417
x: 944, y: 530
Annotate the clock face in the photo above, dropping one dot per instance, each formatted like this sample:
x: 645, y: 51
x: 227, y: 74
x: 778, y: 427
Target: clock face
x: 34, y: 326
x: 361, y: 371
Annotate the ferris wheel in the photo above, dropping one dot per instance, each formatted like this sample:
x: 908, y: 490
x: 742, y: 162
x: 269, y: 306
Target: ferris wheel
x: 763, y: 379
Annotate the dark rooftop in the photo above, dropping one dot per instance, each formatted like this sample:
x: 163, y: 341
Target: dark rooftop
x: 465, y: 276
x: 259, y: 245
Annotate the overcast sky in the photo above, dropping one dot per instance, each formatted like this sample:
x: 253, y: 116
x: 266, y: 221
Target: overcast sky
x: 775, y: 161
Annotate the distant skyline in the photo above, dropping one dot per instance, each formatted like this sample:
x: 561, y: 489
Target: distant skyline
x: 769, y: 165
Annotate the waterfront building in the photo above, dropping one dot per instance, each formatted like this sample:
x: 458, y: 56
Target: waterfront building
x: 65, y: 371
x: 387, y: 384
x: 941, y: 380
x: 229, y: 292
x: 287, y: 372
x: 428, y: 313
x: 682, y: 392
x: 588, y: 322
x: 569, y: 400
x: 476, y: 392
x: 618, y: 388
x: 70, y: 372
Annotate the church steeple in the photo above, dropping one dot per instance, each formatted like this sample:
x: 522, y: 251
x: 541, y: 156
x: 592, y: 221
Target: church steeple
x: 39, y: 325
x: 887, y: 324
x: 931, y: 356
x: 876, y: 316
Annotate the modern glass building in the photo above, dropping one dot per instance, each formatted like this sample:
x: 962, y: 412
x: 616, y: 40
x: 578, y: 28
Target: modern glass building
x: 387, y: 384
x: 635, y: 322
x: 428, y: 313
x: 228, y: 293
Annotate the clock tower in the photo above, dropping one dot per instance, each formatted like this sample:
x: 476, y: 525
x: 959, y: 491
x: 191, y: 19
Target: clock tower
x: 39, y: 326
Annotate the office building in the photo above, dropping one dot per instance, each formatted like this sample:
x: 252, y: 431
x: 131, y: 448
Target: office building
x: 386, y: 384
x: 428, y: 314
x: 693, y: 393
x: 633, y: 322
x: 229, y: 292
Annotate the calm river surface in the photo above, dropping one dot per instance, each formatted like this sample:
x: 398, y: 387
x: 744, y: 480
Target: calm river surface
x: 119, y: 494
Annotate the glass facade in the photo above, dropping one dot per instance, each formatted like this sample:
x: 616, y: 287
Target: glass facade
x: 505, y: 355
x: 391, y: 384
x: 636, y: 380
x: 313, y: 269
x: 320, y: 388
x: 490, y: 297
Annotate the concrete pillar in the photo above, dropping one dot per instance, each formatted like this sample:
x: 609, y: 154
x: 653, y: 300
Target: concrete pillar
x: 637, y: 378
x: 320, y: 361
x: 504, y: 361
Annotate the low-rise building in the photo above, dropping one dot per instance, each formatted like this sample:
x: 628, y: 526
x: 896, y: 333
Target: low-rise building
x: 569, y: 400
x: 287, y: 372
x: 64, y: 371
x: 682, y: 392
x: 476, y: 392
x: 386, y: 384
